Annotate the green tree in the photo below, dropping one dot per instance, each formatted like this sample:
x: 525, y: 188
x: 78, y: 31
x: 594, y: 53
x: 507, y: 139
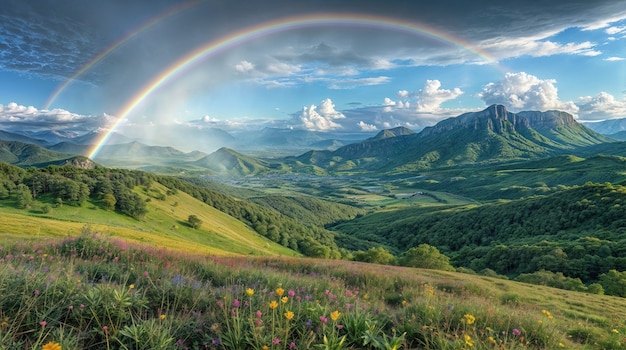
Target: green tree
x: 376, y: 255
x: 427, y: 257
x: 614, y: 283
x: 194, y: 221
x: 23, y: 197
x: 108, y: 201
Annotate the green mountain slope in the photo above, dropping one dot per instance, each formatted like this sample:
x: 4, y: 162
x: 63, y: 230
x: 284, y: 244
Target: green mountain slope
x: 567, y: 231
x: 493, y: 135
x: 27, y: 154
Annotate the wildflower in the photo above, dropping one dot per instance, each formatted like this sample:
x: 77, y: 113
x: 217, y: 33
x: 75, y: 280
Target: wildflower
x: 236, y: 303
x: 250, y: 292
x: 132, y: 286
x: 561, y: 345
x: 615, y: 331
x: 516, y: 332
x: 36, y: 292
x: 323, y: 319
x: 280, y: 291
x: 404, y: 303
x: 291, y: 293
x: 547, y: 313
x: 51, y: 346
x: 276, y: 341
x: 265, y: 347
x: 468, y: 341
x: 105, y: 328
x: 284, y: 300
x: 162, y: 317
x: 289, y: 315
x: 335, y: 315
x: 43, y: 323
x: 259, y: 313
x: 273, y: 304
x: 292, y: 345
x: 220, y: 304
x: 491, y: 340
x: 469, y: 319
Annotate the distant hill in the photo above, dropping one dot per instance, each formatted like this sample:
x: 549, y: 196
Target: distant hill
x: 28, y: 154
x: 228, y: 161
x: 489, y: 136
x: 607, y: 127
x: 11, y: 136
x: 399, y: 131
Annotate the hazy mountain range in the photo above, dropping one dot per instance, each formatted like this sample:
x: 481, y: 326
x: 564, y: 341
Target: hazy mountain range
x: 491, y: 135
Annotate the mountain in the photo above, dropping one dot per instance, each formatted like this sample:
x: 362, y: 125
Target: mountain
x: 607, y: 127
x: 28, y: 154
x: 399, y: 131
x: 228, y: 161
x: 10, y: 136
x: 488, y: 136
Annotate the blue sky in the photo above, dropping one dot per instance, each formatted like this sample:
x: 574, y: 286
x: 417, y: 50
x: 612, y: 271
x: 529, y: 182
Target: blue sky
x: 566, y: 55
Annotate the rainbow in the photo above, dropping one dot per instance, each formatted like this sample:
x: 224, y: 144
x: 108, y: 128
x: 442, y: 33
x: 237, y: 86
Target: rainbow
x: 272, y: 27
x: 87, y: 66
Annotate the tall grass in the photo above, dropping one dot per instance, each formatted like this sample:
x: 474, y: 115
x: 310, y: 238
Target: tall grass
x: 90, y: 292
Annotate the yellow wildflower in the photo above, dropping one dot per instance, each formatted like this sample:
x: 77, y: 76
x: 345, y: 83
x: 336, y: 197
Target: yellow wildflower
x: 250, y: 292
x: 491, y: 340
x: 162, y: 317
x: 468, y: 341
x: 284, y: 300
x: 335, y: 315
x: 51, y: 346
x: 469, y: 319
x: 561, y: 345
x: 547, y: 313
x: 280, y: 291
x: 273, y: 304
x: 404, y: 303
x: 132, y: 286
x: 265, y: 347
x: 289, y: 315
x: 614, y: 331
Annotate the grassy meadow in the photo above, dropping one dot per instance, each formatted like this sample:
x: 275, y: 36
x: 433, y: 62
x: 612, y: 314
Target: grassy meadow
x: 96, y: 292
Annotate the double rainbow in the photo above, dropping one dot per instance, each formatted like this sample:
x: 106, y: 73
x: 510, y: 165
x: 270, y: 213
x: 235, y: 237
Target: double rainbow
x: 272, y: 27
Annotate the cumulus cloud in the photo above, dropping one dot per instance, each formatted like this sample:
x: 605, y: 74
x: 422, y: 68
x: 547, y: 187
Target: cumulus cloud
x: 322, y: 117
x: 244, y: 66
x: 430, y: 98
x: 521, y: 91
x: 601, y: 106
x: 366, y: 127
x: 29, y: 118
x: 427, y: 99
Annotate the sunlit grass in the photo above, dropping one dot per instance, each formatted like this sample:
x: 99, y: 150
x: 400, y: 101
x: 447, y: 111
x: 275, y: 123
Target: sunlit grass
x: 90, y: 292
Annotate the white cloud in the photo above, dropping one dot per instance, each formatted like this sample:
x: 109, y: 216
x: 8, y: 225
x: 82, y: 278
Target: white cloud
x: 321, y: 118
x: 30, y: 118
x: 366, y: 127
x: 601, y: 106
x: 244, y: 66
x: 521, y: 91
x: 430, y: 98
x: 338, y: 84
x: 614, y: 58
x: 535, y: 47
x: 614, y: 30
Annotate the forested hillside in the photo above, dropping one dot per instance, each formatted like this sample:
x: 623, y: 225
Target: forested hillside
x: 115, y: 189
x: 578, y: 231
